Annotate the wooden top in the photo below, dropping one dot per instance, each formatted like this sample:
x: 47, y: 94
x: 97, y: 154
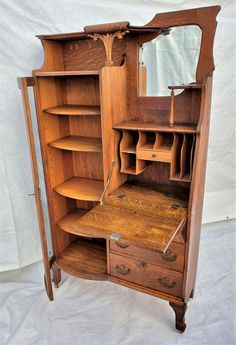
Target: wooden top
x: 75, y: 143
x: 73, y: 109
x: 81, y: 189
x: 136, y: 215
x: 102, y: 28
x: 107, y: 27
x: 152, y: 126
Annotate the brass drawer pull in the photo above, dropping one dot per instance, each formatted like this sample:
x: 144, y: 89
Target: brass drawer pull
x: 166, y: 282
x: 154, y: 155
x: 169, y: 256
x: 122, y: 269
x: 121, y: 245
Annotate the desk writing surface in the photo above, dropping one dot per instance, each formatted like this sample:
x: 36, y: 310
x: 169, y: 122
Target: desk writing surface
x: 138, y: 215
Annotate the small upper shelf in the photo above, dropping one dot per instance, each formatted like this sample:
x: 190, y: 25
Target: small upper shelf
x: 72, y: 109
x: 187, y: 86
x: 152, y: 126
x: 75, y: 143
x: 81, y: 189
x: 65, y: 73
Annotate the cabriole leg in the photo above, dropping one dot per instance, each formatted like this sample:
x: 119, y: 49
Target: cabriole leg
x: 56, y: 275
x: 180, y: 311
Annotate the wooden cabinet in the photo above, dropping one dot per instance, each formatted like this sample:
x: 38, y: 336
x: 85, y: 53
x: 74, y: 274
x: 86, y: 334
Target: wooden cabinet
x: 124, y: 165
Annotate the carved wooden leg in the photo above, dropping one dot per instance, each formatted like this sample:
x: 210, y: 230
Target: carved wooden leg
x: 56, y: 275
x: 179, y: 315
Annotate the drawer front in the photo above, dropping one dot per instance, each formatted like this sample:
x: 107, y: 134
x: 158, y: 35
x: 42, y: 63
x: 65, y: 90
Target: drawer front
x: 156, y: 156
x: 173, y: 258
x: 141, y: 273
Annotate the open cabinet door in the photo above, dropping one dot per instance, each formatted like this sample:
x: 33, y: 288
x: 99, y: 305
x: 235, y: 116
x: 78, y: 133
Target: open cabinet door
x: 23, y: 84
x: 135, y: 215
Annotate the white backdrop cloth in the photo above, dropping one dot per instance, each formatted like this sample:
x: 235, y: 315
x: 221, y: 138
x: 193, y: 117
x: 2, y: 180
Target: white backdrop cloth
x: 21, y: 52
x: 101, y: 313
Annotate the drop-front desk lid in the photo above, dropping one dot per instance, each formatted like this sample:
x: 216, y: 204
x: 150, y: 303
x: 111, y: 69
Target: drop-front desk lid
x: 136, y: 215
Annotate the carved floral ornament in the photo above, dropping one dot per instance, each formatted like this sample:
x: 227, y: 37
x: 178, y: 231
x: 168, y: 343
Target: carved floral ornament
x: 108, y: 40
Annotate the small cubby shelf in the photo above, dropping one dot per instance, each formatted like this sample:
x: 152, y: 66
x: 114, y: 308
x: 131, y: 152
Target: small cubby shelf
x: 81, y: 189
x: 74, y: 109
x: 84, y: 258
x: 77, y: 143
x: 182, y: 157
x: 140, y: 148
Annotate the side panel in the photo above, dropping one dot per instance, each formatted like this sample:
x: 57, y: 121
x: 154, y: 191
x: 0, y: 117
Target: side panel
x: 197, y: 192
x: 23, y: 84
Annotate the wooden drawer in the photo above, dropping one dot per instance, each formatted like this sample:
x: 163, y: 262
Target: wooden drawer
x: 173, y: 258
x: 156, y: 156
x: 138, y: 272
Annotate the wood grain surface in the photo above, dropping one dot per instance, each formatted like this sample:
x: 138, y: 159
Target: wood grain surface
x: 81, y: 189
x: 76, y: 143
x: 73, y: 109
x: 173, y: 258
x: 139, y: 215
x: 145, y: 274
x: 84, y: 259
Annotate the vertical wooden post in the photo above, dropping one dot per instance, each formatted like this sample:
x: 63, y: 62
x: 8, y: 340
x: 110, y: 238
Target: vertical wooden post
x: 171, y: 116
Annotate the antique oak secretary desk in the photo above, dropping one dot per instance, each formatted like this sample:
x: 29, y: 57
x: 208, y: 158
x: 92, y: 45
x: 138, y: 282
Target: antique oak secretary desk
x: 123, y: 127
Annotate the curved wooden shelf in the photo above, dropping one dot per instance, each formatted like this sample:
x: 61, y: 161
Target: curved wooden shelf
x: 84, y: 259
x: 73, y: 109
x: 75, y: 143
x: 80, y: 188
x: 68, y: 224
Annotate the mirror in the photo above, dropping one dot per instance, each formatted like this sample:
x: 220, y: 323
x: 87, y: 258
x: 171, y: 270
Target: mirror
x: 169, y: 59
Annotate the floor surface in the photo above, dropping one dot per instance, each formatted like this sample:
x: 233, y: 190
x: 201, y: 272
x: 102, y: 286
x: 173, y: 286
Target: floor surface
x: 94, y: 313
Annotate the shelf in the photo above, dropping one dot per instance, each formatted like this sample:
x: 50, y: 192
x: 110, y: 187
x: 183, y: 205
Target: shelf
x: 82, y: 144
x: 65, y: 73
x: 72, y: 109
x: 84, y: 259
x: 187, y: 86
x: 152, y: 126
x: 130, y: 170
x: 81, y: 189
x: 130, y: 149
x: 67, y: 223
x: 185, y: 178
